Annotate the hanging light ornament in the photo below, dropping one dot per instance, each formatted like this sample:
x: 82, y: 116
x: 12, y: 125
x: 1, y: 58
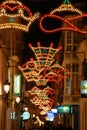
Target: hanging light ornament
x: 42, y: 112
x: 42, y: 93
x: 41, y: 97
x: 65, y: 6
x: 46, y: 107
x: 13, y: 14
x: 35, y: 100
x: 44, y: 104
x: 45, y: 68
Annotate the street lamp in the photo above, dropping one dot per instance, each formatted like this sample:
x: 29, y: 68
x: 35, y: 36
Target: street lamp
x: 21, y: 110
x: 24, y: 104
x: 25, y: 108
x: 6, y: 86
x: 18, y: 99
x: 6, y: 89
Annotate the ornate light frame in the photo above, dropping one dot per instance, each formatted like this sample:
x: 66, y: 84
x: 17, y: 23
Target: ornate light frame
x: 14, y: 14
x: 45, y: 68
x: 65, y: 6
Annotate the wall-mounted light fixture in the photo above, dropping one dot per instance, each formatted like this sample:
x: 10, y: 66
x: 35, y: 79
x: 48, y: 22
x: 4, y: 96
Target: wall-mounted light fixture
x: 18, y: 99
x: 6, y: 86
x: 23, y: 102
x: 25, y: 108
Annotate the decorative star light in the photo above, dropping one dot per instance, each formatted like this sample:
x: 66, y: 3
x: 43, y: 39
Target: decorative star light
x: 45, y: 68
x: 65, y: 6
x: 13, y: 14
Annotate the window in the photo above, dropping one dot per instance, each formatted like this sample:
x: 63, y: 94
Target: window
x: 75, y: 83
x: 68, y: 48
x: 69, y: 37
x: 75, y: 67
x: 68, y: 66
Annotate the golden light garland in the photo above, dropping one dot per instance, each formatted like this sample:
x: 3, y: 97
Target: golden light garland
x: 41, y: 93
x: 66, y: 6
x: 45, y: 53
x: 43, y: 112
x: 45, y: 68
x: 41, y: 97
x: 17, y: 16
x: 42, y: 103
x: 46, y: 107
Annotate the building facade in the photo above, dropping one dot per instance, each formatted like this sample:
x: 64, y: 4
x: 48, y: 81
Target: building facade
x: 11, y: 43
x: 73, y: 56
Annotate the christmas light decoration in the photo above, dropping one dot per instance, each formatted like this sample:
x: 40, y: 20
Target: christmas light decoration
x: 43, y: 112
x: 45, y: 53
x: 13, y: 14
x: 39, y: 121
x: 44, y: 104
x: 65, y: 6
x: 46, y: 107
x: 35, y: 100
x: 41, y: 102
x: 41, y: 98
x: 42, y: 94
x: 45, y: 68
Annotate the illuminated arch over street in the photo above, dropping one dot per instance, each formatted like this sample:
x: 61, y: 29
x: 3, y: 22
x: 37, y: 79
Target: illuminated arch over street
x: 45, y: 68
x: 41, y: 97
x: 13, y: 14
x: 69, y: 22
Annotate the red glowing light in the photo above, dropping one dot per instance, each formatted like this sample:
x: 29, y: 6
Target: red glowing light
x: 45, y: 68
x: 68, y: 21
